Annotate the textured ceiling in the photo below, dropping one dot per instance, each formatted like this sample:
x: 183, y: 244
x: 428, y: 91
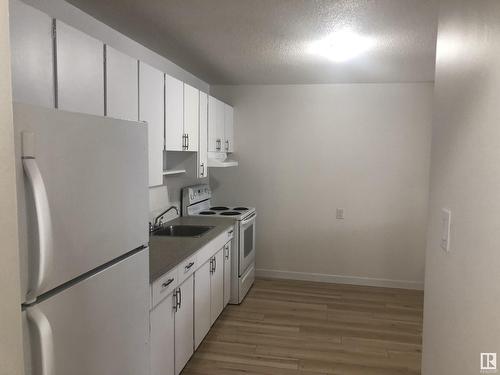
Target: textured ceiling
x: 264, y: 41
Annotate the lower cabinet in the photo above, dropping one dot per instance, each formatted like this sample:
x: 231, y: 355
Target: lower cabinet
x: 227, y: 273
x: 171, y: 333
x: 202, y: 298
x: 184, y: 325
x: 217, y: 286
x: 186, y: 301
x: 209, y: 295
x: 162, y: 321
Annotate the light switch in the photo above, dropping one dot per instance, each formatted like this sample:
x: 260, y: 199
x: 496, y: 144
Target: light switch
x: 340, y: 213
x: 445, y: 229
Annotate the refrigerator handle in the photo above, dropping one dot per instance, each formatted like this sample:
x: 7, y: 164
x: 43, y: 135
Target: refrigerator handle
x: 46, y: 344
x: 42, y: 208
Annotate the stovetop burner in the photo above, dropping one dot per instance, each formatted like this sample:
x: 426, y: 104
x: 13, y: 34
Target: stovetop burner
x: 207, y: 213
x: 230, y: 213
x: 240, y: 208
x: 219, y: 208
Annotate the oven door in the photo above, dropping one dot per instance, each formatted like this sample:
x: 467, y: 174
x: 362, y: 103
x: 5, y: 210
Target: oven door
x: 246, y: 243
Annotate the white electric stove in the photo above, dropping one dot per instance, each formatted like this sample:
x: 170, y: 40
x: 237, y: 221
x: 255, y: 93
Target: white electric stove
x: 197, y: 201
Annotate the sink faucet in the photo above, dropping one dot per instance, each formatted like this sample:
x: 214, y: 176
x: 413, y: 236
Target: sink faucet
x: 159, y: 219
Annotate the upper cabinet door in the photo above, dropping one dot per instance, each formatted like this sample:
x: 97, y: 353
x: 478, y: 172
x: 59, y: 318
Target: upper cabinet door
x: 212, y: 124
x: 32, y: 55
x: 191, y: 117
x: 122, y: 86
x: 174, y: 114
x: 203, y: 130
x: 215, y: 125
x: 80, y: 71
x: 151, y: 110
x: 219, y: 128
x: 228, y: 128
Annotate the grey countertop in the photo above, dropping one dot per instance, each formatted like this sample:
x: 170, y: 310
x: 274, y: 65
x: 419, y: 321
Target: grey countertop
x: 166, y: 252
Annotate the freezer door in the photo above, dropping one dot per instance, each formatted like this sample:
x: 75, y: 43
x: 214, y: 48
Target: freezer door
x: 98, y: 326
x: 82, y: 193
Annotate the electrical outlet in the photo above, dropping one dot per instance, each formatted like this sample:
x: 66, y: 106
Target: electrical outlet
x: 340, y: 213
x: 445, y: 229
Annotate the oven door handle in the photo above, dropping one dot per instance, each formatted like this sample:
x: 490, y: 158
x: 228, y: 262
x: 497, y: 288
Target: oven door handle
x: 249, y: 219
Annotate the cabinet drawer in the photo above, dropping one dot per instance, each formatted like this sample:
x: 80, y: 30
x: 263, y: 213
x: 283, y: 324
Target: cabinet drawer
x: 187, y: 267
x: 162, y: 287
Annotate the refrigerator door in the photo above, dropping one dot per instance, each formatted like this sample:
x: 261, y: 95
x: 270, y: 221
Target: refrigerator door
x: 99, y: 325
x: 82, y: 193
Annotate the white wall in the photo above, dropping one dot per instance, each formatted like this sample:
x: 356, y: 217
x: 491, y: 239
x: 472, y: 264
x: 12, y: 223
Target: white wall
x: 462, y: 287
x: 10, y: 305
x: 305, y: 150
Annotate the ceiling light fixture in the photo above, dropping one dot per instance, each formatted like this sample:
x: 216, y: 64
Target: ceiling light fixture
x: 342, y: 45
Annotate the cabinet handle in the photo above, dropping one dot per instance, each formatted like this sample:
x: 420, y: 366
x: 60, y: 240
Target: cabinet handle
x: 187, y: 141
x: 191, y: 264
x: 215, y: 264
x: 211, y: 266
x: 175, y: 301
x: 167, y: 283
x: 180, y: 298
x: 227, y: 251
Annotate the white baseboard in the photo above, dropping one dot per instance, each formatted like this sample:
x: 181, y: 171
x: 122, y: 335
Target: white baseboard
x: 339, y: 279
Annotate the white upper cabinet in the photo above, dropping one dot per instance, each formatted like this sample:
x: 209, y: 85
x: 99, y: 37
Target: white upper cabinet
x: 151, y: 83
x: 218, y: 125
x: 228, y: 128
x: 203, y: 132
x: 191, y: 117
x: 122, y: 86
x: 80, y: 71
x: 32, y: 55
x: 215, y: 124
x: 212, y: 137
x: 174, y: 114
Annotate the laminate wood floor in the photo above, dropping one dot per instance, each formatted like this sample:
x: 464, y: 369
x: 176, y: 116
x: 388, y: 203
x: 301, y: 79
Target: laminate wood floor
x: 286, y: 327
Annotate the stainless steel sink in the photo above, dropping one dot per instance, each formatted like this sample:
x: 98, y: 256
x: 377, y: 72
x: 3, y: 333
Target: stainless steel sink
x: 182, y: 231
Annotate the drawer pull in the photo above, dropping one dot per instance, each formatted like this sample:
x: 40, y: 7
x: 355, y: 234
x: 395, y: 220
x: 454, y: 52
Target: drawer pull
x: 167, y: 283
x: 191, y: 264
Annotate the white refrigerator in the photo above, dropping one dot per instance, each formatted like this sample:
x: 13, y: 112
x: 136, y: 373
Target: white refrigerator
x: 83, y: 230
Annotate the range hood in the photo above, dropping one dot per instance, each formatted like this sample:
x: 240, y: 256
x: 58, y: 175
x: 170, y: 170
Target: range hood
x: 220, y: 160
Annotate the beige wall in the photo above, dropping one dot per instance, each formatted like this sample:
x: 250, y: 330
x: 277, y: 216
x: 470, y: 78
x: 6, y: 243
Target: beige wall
x: 305, y: 150
x: 10, y: 312
x: 462, y: 287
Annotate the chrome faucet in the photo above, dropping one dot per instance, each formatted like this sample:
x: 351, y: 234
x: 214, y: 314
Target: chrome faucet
x: 159, y: 219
